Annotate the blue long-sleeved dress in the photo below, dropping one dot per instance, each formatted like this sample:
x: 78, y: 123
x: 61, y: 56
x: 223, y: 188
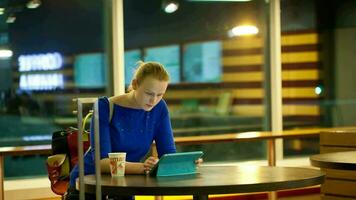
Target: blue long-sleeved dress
x: 130, y: 130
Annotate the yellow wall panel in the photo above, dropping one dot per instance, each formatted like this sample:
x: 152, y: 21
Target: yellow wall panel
x: 213, y: 93
x: 243, y: 43
x: 299, y: 57
x: 306, y: 92
x: 243, y: 77
x: 242, y: 60
x: 300, y: 110
x: 240, y: 67
x: 309, y: 38
x: 312, y: 74
x: 176, y: 110
x: 248, y: 93
x: 191, y: 94
x: 248, y: 110
x: 165, y: 197
x: 173, y: 107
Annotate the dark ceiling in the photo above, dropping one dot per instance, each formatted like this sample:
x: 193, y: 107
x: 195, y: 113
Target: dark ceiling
x: 73, y: 26
x: 3, y: 25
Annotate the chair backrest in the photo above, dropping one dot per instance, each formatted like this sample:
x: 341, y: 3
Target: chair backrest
x: 224, y: 103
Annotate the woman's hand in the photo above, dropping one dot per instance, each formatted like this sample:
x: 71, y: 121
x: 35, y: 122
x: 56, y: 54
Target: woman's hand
x: 149, y: 163
x: 198, y: 162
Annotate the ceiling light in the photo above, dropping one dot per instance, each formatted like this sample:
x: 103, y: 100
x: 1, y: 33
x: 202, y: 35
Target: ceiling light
x: 219, y: 0
x: 243, y: 30
x: 2, y: 11
x: 170, y: 6
x: 32, y: 4
x: 5, y: 53
x: 11, y: 19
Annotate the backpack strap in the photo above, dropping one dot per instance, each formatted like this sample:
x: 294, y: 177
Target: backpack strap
x: 111, y: 108
x: 85, y: 120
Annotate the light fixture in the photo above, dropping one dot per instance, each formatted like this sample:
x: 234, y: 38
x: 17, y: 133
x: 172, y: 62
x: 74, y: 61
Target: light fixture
x: 170, y: 6
x: 243, y: 30
x: 318, y: 90
x: 2, y: 11
x: 219, y: 0
x: 5, y: 53
x: 11, y: 18
x: 32, y: 4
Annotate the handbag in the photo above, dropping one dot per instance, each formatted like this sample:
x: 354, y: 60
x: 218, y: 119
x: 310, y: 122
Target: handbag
x: 65, y: 153
x: 65, y: 156
x: 58, y: 172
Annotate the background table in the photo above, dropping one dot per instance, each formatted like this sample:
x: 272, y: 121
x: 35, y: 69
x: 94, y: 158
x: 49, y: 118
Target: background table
x: 210, y: 180
x: 337, y: 160
x: 19, y: 151
x: 340, y: 169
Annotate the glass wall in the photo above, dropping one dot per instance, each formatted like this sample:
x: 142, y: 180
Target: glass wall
x: 56, y: 56
x: 317, y: 57
x: 217, y: 72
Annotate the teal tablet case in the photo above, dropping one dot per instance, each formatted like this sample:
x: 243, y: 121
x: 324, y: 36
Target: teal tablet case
x: 176, y: 164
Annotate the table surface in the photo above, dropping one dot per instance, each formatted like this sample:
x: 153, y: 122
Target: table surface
x: 210, y: 180
x: 337, y: 160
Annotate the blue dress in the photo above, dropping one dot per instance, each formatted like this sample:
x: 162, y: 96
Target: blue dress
x: 130, y: 130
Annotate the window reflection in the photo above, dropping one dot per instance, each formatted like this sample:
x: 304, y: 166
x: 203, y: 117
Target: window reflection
x: 131, y: 58
x: 202, y: 62
x: 90, y: 70
x: 169, y: 57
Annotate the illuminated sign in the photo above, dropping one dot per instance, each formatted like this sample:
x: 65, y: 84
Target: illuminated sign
x: 41, y: 81
x: 40, y: 62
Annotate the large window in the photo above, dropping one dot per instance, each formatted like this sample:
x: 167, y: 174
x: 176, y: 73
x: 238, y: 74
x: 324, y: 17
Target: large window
x: 56, y: 57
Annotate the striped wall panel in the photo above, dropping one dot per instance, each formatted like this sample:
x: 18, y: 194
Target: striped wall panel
x: 244, y: 63
x: 243, y: 77
x: 301, y: 73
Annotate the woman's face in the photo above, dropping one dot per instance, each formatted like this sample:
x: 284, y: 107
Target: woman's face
x: 149, y: 92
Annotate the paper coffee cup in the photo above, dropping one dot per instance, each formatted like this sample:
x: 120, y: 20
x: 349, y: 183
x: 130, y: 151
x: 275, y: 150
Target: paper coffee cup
x: 117, y: 164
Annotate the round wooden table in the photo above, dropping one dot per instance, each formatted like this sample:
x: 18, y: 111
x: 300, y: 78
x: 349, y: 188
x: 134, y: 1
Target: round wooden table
x: 338, y: 160
x: 210, y: 180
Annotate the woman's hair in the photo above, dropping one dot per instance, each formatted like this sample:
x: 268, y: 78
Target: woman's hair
x: 153, y: 69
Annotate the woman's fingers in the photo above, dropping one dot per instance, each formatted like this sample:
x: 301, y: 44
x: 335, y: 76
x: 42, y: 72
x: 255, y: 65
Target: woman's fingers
x: 199, y: 162
x: 149, y: 163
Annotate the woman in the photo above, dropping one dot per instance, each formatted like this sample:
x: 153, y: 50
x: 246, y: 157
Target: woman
x: 139, y: 118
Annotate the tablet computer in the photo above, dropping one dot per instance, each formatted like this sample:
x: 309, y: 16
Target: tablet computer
x: 173, y: 164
